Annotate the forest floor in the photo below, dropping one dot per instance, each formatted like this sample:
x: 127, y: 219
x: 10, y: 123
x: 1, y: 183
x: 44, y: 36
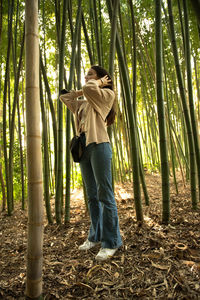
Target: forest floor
x: 155, y: 262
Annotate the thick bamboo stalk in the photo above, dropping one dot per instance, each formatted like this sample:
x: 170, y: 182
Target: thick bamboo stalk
x: 96, y: 27
x: 190, y: 92
x: 161, y: 116
x: 91, y: 18
x: 34, y: 155
x: 59, y: 171
x: 134, y: 60
x: 113, y: 37
x: 111, y: 65
x: 87, y: 40
x: 1, y: 18
x: 125, y: 130
x: 68, y: 120
x: 196, y: 6
x: 21, y: 155
x: 3, y: 188
x: 57, y: 15
x: 134, y: 65
x: 173, y: 158
x: 197, y: 87
x: 101, y: 32
x: 6, y: 85
x: 46, y: 167
x: 52, y: 110
x: 120, y: 32
x: 118, y: 158
x: 70, y: 17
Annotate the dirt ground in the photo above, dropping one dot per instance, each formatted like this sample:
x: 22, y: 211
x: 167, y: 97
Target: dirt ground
x: 155, y: 262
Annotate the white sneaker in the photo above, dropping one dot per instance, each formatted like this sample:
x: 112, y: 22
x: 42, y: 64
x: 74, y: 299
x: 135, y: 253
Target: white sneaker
x: 87, y: 245
x: 105, y: 253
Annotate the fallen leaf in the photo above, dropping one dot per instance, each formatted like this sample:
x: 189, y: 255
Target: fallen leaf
x: 161, y: 267
x: 116, y: 275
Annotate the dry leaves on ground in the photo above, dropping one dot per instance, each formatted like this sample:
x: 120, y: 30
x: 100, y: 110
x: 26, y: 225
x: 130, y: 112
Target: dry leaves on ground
x: 155, y: 262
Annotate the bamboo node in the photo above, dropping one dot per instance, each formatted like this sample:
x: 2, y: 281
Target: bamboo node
x: 35, y: 182
x: 32, y: 33
x: 34, y: 280
x: 36, y: 224
x: 34, y: 257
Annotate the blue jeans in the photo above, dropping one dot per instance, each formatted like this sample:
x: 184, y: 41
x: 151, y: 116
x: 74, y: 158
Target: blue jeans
x: 96, y: 172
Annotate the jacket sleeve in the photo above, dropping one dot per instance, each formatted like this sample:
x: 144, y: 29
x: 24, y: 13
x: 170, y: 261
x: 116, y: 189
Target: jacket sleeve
x: 100, y: 99
x: 70, y: 100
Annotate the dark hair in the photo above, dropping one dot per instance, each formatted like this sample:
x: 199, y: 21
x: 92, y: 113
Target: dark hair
x: 101, y: 72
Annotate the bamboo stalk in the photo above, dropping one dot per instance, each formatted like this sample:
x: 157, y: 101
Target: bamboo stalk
x: 6, y: 85
x: 59, y: 171
x: 68, y: 119
x: 190, y: 92
x: 161, y: 117
x: 46, y: 157
x: 52, y: 111
x: 34, y: 155
x: 12, y: 124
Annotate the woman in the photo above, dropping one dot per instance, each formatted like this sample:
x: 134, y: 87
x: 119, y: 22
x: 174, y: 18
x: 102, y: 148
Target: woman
x: 91, y: 118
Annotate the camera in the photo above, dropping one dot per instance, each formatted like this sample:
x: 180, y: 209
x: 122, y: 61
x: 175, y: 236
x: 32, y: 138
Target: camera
x: 64, y: 91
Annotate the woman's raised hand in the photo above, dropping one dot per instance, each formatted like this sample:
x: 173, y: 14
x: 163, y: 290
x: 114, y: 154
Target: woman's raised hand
x: 103, y: 81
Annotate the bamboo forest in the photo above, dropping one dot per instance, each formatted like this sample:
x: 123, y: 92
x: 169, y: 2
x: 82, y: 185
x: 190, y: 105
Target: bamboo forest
x: 151, y: 49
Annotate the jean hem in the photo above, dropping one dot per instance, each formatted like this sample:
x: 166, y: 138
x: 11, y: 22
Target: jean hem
x: 104, y: 245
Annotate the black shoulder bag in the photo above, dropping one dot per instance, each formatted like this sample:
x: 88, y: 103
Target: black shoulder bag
x: 77, y: 147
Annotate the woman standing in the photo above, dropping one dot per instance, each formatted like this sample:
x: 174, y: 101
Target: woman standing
x: 92, y: 116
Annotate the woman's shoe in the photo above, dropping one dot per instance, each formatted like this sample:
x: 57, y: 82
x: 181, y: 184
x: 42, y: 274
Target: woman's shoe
x: 87, y: 245
x: 105, y: 253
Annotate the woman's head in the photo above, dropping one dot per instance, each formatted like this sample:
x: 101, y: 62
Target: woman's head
x: 96, y: 72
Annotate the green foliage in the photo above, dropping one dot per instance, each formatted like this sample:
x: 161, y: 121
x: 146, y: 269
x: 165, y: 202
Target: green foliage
x: 78, y: 180
x: 17, y: 182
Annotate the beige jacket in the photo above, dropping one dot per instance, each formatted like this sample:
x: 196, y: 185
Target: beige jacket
x: 97, y: 105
